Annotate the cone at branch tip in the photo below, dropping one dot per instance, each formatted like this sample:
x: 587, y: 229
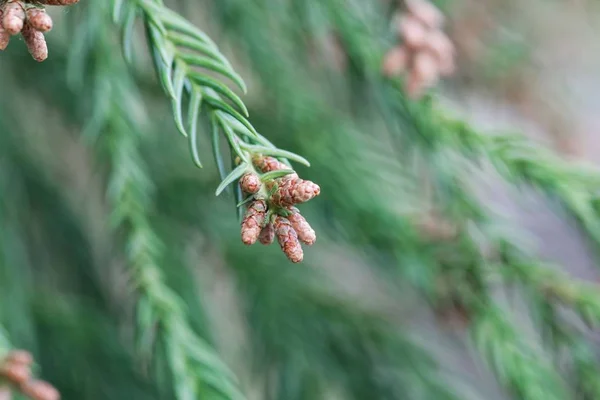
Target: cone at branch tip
x: 426, y: 53
x: 428, y: 14
x: 13, y: 18
x: 40, y: 390
x: 21, y: 357
x: 253, y: 221
x: 29, y: 18
x: 39, y: 20
x: 268, y: 164
x: 250, y: 183
x: 36, y: 43
x: 276, y: 196
x: 305, y: 232
x: 58, y: 2
x: 293, y: 190
x: 288, y: 239
x: 17, y: 374
x: 267, y: 234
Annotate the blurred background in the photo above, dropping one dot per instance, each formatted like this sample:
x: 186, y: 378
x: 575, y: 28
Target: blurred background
x: 96, y: 183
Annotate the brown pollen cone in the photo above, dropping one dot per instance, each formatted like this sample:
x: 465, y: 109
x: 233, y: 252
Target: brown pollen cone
x: 36, y: 43
x: 305, y: 232
x: 268, y: 164
x: 252, y: 222
x: 39, y: 20
x: 267, y: 234
x: 58, y: 2
x: 4, y: 39
x: 293, y: 190
x: 288, y: 240
x: 40, y: 390
x: 424, y: 74
x: 21, y: 357
x: 250, y: 183
x: 426, y: 13
x: 17, y: 374
x: 4, y: 35
x: 14, y: 17
x: 412, y: 31
x: 395, y: 61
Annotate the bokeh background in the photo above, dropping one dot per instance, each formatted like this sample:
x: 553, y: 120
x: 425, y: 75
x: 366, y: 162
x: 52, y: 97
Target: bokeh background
x: 86, y: 138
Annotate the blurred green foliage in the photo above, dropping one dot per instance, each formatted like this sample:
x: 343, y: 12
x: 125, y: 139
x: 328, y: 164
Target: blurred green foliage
x: 126, y: 277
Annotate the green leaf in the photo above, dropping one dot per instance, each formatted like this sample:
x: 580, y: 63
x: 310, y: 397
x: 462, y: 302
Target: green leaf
x: 232, y: 177
x: 269, y: 151
x: 174, y: 21
x: 245, y: 201
x: 238, y: 196
x: 276, y: 174
x: 162, y: 58
x: 220, y: 88
x: 212, y: 65
x: 216, y: 147
x: 179, y: 76
x: 194, y: 110
x: 145, y: 320
x: 188, y: 43
x: 117, y: 10
x: 233, y: 140
x: 226, y: 108
x: 127, y: 33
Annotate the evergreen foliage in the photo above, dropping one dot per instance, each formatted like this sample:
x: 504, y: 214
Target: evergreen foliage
x: 125, y: 276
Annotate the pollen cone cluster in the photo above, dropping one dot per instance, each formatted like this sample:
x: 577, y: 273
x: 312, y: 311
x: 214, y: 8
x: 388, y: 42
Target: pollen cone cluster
x: 271, y: 212
x: 426, y: 53
x: 15, y: 369
x: 29, y: 19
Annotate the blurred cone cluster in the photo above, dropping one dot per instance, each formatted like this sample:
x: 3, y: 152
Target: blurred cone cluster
x: 15, y: 369
x: 426, y: 53
x: 271, y: 213
x: 28, y: 18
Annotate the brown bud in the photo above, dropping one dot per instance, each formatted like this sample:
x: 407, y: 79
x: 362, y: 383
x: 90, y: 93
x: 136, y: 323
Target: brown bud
x: 267, y: 235
x: 14, y: 17
x: 305, y: 232
x: 16, y: 373
x: 412, y: 31
x: 4, y: 36
x: 39, y: 20
x: 36, y: 43
x: 443, y: 49
x: 250, y: 183
x: 20, y: 357
x: 426, y: 13
x: 288, y: 239
x: 40, y: 390
x: 253, y: 220
x: 268, y: 164
x: 304, y: 191
x: 58, y: 2
x: 395, y: 61
x: 423, y: 75
x: 293, y: 190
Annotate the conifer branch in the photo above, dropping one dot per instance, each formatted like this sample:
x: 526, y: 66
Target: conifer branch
x: 547, y: 281
x: 516, y: 159
x: 180, y: 53
x: 16, y: 376
x: 524, y: 371
x: 196, y: 369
